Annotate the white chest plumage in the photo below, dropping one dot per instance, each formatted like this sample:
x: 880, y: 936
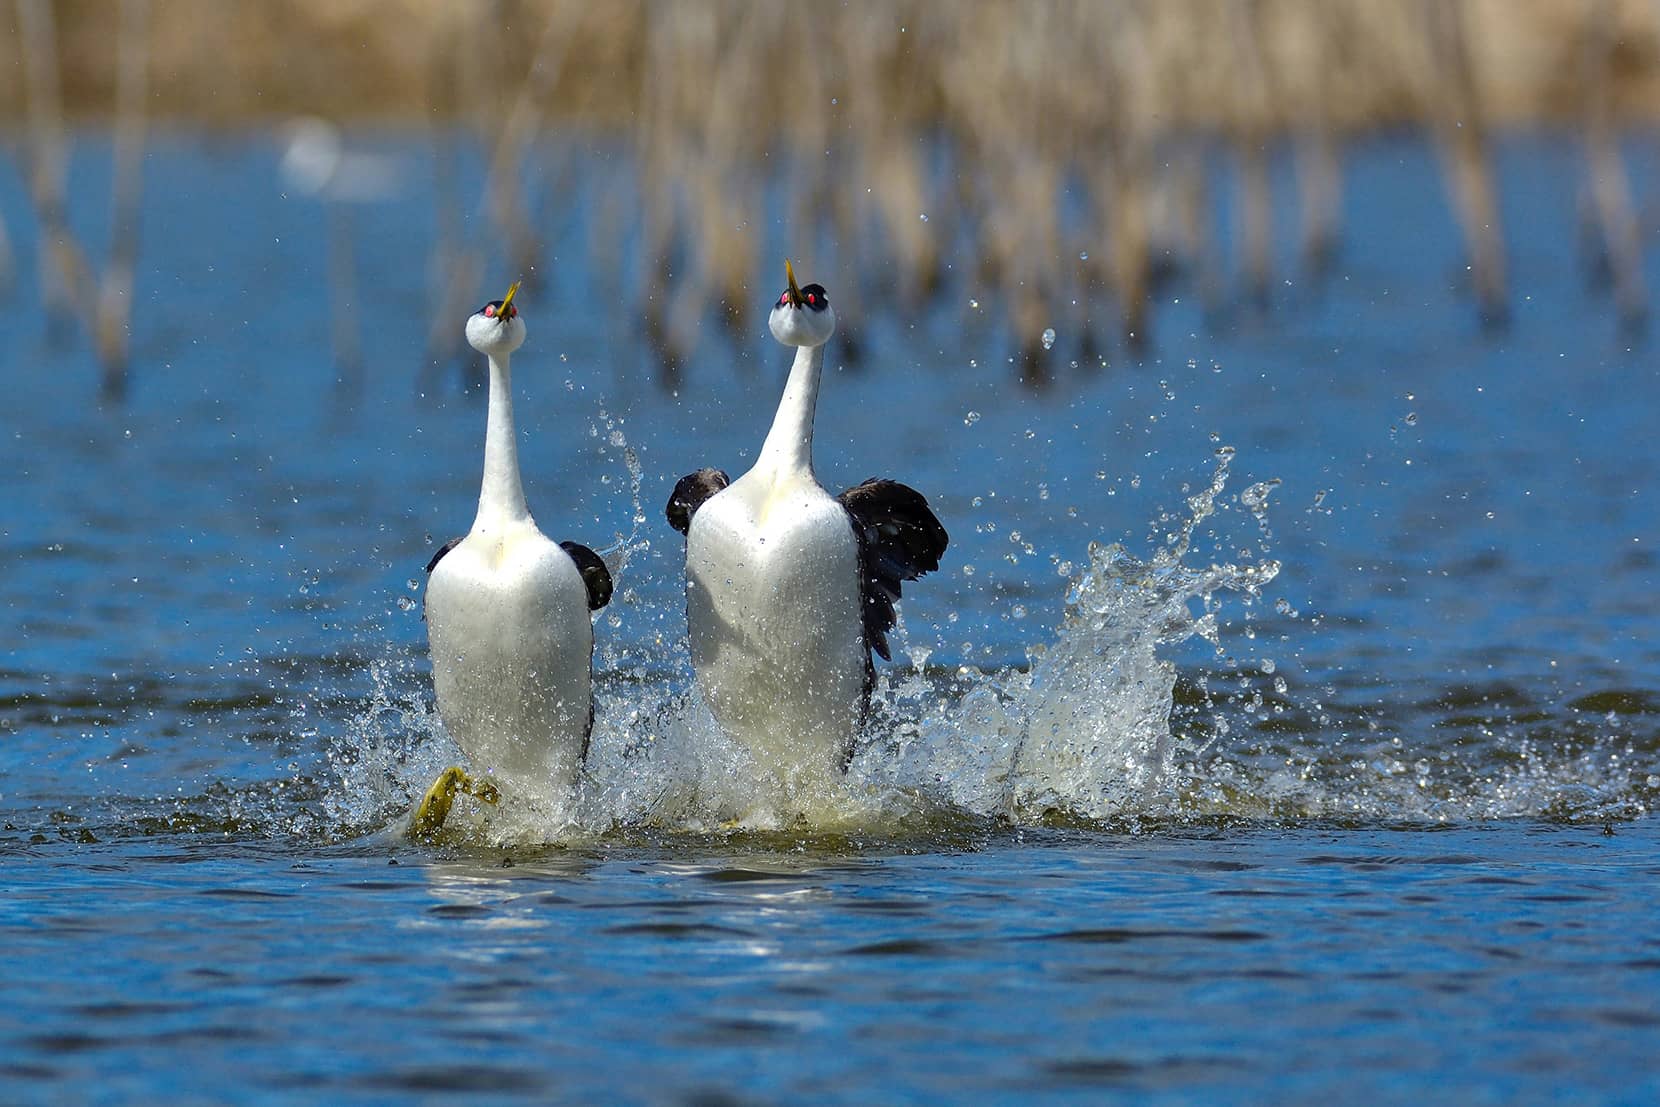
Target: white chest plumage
x: 507, y: 612
x: 773, y: 608
x: 511, y: 639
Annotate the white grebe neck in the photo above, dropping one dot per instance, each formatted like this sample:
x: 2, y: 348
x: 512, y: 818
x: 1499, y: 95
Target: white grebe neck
x: 502, y: 498
x: 789, y: 444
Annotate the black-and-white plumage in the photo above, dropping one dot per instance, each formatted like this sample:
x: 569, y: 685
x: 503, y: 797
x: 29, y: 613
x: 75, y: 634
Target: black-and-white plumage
x: 789, y: 590
x: 689, y: 493
x: 899, y: 540
x: 508, y: 610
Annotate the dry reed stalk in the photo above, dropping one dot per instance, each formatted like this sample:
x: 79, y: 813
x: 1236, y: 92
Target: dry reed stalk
x: 880, y: 46
x: 65, y: 277
x: 478, y: 51
x: 523, y: 122
x: 1319, y: 172
x: 1605, y: 169
x: 456, y: 267
x: 822, y: 180
x: 998, y: 83
x: 1124, y: 197
x: 9, y: 63
x: 1071, y: 127
x: 1250, y: 138
x: 1461, y: 132
x: 725, y: 195
x: 113, y: 324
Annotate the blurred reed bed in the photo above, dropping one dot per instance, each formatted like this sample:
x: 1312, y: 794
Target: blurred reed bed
x: 1054, y: 161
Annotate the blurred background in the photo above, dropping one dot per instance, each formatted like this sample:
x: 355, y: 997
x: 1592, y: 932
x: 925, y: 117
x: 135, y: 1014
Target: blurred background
x: 1065, y: 165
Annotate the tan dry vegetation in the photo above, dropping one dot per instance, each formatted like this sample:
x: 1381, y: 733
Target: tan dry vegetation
x: 232, y: 63
x: 1121, y: 102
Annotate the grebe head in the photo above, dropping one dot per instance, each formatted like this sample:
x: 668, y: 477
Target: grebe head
x: 496, y: 329
x: 802, y: 316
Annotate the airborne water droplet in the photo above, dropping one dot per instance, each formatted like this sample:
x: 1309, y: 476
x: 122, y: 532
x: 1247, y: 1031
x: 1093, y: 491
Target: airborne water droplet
x: 1048, y: 338
x: 971, y: 418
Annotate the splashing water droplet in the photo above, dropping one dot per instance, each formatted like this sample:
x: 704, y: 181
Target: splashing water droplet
x: 971, y: 418
x: 1048, y: 338
x: 1255, y: 498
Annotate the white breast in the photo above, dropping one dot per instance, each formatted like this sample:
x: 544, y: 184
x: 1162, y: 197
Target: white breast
x: 772, y: 598
x: 511, y: 640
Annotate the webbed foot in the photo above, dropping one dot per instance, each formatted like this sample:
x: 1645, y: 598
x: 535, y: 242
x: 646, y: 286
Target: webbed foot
x: 435, y: 805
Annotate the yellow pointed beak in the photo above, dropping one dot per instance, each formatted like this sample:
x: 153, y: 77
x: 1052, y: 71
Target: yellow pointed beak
x: 795, y: 292
x: 507, y: 300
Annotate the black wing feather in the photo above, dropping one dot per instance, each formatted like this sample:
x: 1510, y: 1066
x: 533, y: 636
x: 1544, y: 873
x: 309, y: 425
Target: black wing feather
x: 689, y: 494
x: 594, y: 573
x: 442, y: 550
x: 899, y: 540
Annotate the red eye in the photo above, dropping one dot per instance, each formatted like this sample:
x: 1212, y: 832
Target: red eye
x: 489, y: 311
x: 512, y: 311
x: 812, y: 297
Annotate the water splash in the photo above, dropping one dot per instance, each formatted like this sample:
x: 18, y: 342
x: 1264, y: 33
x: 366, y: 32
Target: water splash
x: 1085, y: 730
x: 1099, y: 728
x: 618, y: 554
x: 1082, y: 731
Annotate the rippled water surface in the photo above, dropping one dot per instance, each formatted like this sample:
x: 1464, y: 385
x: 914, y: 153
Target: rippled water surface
x: 1283, y: 723
x: 1490, y: 963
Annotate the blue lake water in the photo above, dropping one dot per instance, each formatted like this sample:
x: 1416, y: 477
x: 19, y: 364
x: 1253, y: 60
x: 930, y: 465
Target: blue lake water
x: 1390, y: 833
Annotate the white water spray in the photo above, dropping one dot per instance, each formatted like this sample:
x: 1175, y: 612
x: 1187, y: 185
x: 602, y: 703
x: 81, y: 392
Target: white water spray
x: 1082, y: 732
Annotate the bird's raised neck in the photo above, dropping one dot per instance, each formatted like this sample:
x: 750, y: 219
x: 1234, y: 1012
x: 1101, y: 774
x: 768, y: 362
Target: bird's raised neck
x: 788, y: 449
x: 501, y: 500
